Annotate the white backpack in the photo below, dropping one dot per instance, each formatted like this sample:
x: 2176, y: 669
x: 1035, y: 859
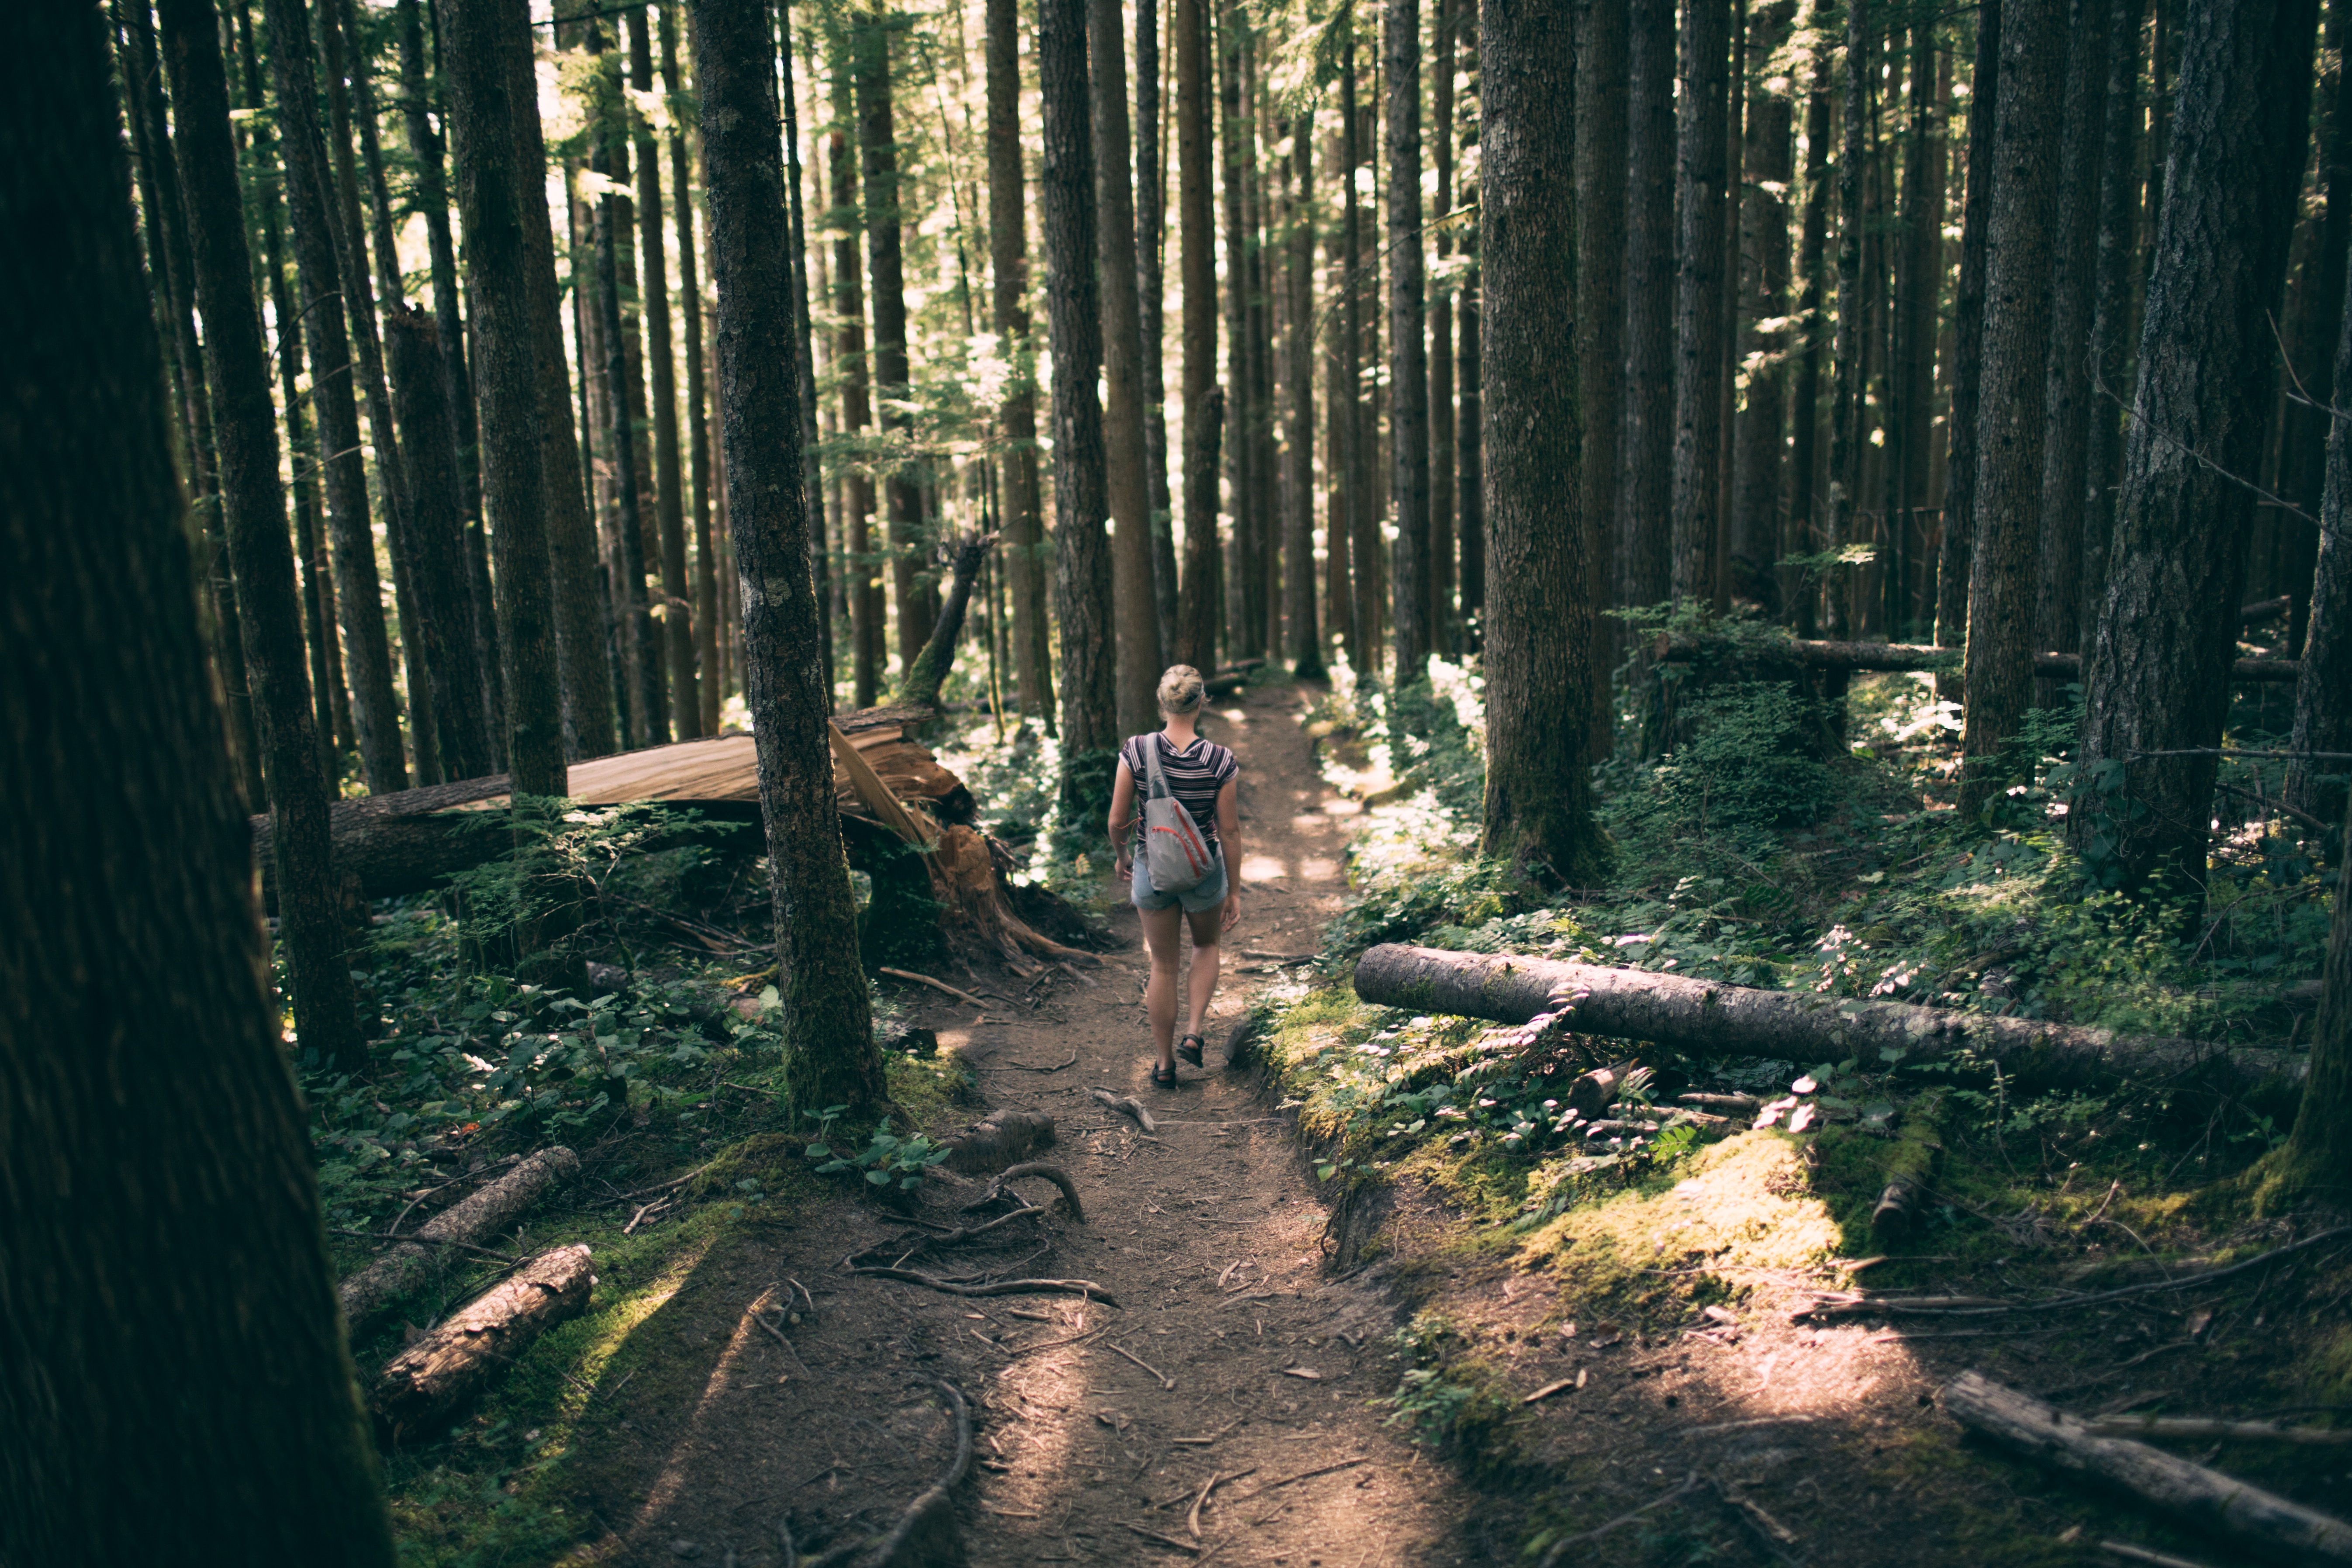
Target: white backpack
x: 1175, y: 855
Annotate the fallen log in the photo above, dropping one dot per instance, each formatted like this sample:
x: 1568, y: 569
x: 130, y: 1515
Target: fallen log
x: 1818, y: 654
x: 1710, y: 1017
x: 2257, y: 1521
x: 419, y: 1389
x: 485, y: 1212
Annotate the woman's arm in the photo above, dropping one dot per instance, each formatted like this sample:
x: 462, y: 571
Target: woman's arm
x: 1229, y: 836
x: 1122, y: 814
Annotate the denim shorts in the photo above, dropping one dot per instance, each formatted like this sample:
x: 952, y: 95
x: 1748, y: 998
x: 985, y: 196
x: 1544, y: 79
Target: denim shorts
x: 1208, y: 895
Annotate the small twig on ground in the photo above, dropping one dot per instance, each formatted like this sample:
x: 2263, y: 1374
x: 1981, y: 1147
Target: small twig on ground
x: 2204, y: 1429
x: 1192, y: 1519
x: 1203, y: 1442
x: 1165, y: 1381
x: 761, y: 1319
x: 425, y: 1241
x: 1303, y: 1476
x: 1050, y: 1344
x: 1559, y: 1548
x: 2131, y: 1553
x: 657, y: 1187
x: 1168, y: 1541
x: 1086, y: 1287
x: 643, y: 1212
x: 1057, y: 1067
x: 941, y: 986
x: 1130, y: 1105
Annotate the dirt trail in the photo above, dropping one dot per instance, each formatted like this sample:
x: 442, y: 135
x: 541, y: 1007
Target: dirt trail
x: 1210, y: 1236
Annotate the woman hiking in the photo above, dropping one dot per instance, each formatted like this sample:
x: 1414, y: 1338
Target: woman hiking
x: 1201, y: 777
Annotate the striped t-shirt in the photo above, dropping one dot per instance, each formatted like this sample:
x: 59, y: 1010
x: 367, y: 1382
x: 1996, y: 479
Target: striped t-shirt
x: 1194, y: 775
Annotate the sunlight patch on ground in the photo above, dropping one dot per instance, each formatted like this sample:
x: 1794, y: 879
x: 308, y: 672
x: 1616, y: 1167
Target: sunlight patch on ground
x: 1744, y: 1206
x: 663, y: 1495
x: 1262, y: 868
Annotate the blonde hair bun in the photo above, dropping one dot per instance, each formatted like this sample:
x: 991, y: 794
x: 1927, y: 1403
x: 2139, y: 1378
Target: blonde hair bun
x: 1181, y: 691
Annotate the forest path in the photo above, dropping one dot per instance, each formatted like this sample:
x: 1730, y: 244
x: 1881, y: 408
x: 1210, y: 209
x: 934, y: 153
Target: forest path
x: 1209, y: 1234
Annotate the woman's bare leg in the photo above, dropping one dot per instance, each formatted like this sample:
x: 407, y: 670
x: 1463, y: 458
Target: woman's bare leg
x: 1205, y: 924
x: 1161, y: 940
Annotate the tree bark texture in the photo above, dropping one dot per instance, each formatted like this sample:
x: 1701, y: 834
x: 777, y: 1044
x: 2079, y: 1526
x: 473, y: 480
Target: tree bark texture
x: 153, y: 1163
x: 1008, y: 239
x: 1413, y: 613
x: 640, y: 652
x: 661, y: 361
x: 1445, y: 621
x: 698, y: 422
x: 1848, y: 347
x: 1300, y: 619
x: 1955, y: 561
x: 2323, y: 695
x: 2159, y: 670
x: 2009, y: 429
x: 1801, y: 534
x: 1707, y: 1017
x: 2322, y: 1136
x: 487, y: 46
x: 1701, y: 130
x: 1645, y: 495
x: 253, y: 508
x: 1919, y: 283
x: 2111, y: 304
x: 1196, y: 607
x: 866, y: 607
x: 439, y: 1375
x: 1761, y: 430
x: 2312, y: 311
x: 1538, y: 653
x: 481, y: 1214
x: 1600, y: 217
x: 1245, y: 611
x: 878, y: 143
x: 1134, y: 604
x: 376, y: 712
x: 830, y: 1054
x: 805, y: 356
x: 1356, y: 428
x: 1082, y: 568
x: 1151, y: 290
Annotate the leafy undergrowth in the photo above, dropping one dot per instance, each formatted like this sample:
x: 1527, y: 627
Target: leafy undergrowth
x: 1751, y: 852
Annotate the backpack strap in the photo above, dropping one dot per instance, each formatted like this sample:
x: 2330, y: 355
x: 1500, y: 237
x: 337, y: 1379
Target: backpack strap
x: 1159, y: 785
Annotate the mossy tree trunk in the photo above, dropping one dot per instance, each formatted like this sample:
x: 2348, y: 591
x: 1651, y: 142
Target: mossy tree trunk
x: 828, y: 1016
x: 164, y: 1280
x: 1539, y: 633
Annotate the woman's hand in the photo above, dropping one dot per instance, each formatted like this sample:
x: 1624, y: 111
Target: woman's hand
x: 1233, y: 912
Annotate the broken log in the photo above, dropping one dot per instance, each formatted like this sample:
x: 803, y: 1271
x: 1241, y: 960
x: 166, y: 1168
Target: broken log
x: 485, y: 1212
x: 2257, y: 1520
x: 419, y: 1389
x: 1002, y: 1138
x: 1815, y: 654
x: 1595, y: 1092
x: 921, y: 686
x: 1707, y: 1017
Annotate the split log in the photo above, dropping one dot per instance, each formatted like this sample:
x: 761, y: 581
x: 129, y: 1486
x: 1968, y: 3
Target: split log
x: 1002, y: 1138
x: 1709, y: 1017
x: 2257, y: 1520
x: 1595, y: 1092
x: 1813, y: 654
x: 493, y: 1209
x: 419, y: 1389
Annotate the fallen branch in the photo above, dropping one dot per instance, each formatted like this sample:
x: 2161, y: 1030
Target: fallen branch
x: 1086, y: 1287
x: 1559, y: 1548
x: 1165, y: 1381
x: 1130, y: 1106
x: 1855, y: 1304
x: 934, y: 985
x: 1057, y: 1067
x: 422, y: 1387
x: 2201, y: 1430
x: 1192, y: 1519
x: 1054, y: 1174
x: 1168, y: 1541
x: 2130, y: 1553
x: 2254, y: 1519
x: 1303, y: 1476
x: 506, y: 1257
x: 462, y: 1224
x: 1712, y: 1018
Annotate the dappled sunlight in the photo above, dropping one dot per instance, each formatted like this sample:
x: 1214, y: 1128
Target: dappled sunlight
x: 1263, y: 868
x: 670, y: 1480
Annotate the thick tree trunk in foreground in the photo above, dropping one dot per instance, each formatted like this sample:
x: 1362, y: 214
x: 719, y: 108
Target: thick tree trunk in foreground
x: 253, y: 506
x: 1707, y: 1017
x: 2159, y: 668
x: 489, y: 107
x: 1082, y: 572
x: 826, y: 1017
x: 2010, y: 424
x: 1644, y: 523
x: 1538, y: 807
x: 1416, y: 615
x: 154, y: 1163
x: 2258, y: 1522
x: 433, y: 1379
x: 1008, y: 242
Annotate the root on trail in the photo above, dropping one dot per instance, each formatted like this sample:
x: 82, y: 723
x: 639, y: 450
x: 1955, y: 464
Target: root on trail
x: 1130, y: 1106
x: 926, y: 1533
x: 1053, y: 1174
x: 1086, y: 1287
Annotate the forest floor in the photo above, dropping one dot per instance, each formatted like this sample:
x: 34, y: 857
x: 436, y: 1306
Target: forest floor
x: 1348, y: 1347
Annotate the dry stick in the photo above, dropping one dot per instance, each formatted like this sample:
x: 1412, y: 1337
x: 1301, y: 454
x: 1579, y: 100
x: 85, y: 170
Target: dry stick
x: 2202, y: 1429
x: 1199, y: 1442
x: 1165, y: 1381
x: 1057, y: 1067
x: 1165, y: 1539
x: 1130, y: 1105
x: 1192, y: 1519
x: 761, y: 1319
x: 1968, y: 1305
x: 1086, y: 1287
x: 934, y: 985
x: 658, y: 1187
x: 1050, y: 1344
x: 2131, y: 1553
x: 1303, y: 1476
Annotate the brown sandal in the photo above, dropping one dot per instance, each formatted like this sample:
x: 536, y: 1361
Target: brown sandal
x: 1164, y: 1077
x: 1189, y: 1049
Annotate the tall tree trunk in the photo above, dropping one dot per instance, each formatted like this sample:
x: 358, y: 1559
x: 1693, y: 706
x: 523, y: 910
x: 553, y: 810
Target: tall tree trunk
x: 2111, y: 305
x: 1800, y: 595
x: 152, y: 1142
x: 697, y: 421
x: 1727, y: 373
x: 1196, y: 612
x: 1645, y: 535
x: 805, y: 356
x: 1363, y: 513
x: 2311, y: 318
x: 1955, y: 561
x: 1339, y: 442
x: 827, y: 1020
x: 1600, y: 149
x: 1700, y: 144
x: 678, y: 602
x: 252, y: 509
x: 867, y: 609
x: 1469, y: 449
x: 877, y: 143
x: 2058, y: 584
x: 1445, y: 621
x: 1245, y: 615
x: 1008, y: 239
x: 487, y: 52
x: 1264, y: 472
x: 1538, y: 811
x: 2323, y: 693
x: 1408, y: 350
x: 2010, y: 416
x: 1082, y: 568
x: 1298, y: 529
x: 1846, y: 367
x: 1761, y: 431
x: 2158, y: 677
x: 1134, y: 600
x: 1919, y: 291
x: 375, y: 711
x: 1151, y: 289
